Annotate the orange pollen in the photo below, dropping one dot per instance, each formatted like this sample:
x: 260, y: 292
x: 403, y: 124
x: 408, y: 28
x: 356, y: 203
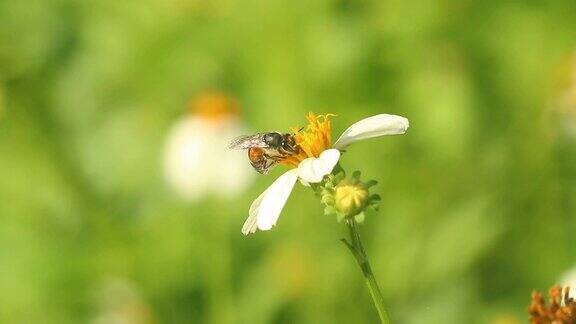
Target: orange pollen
x: 311, y: 140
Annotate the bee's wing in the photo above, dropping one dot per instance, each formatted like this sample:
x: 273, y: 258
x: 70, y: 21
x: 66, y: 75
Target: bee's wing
x: 247, y: 141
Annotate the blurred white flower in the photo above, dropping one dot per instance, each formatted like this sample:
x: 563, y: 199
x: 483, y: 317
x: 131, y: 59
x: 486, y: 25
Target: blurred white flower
x: 196, y: 161
x: 317, y: 158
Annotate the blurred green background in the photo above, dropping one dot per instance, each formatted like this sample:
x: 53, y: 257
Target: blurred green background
x: 479, y: 198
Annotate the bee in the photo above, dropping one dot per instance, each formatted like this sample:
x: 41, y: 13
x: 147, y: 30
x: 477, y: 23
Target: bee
x: 265, y: 149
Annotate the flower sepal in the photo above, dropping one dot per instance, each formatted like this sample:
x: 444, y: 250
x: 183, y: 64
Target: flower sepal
x: 370, y: 210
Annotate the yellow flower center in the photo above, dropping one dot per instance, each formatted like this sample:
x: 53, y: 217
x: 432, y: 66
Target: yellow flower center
x: 311, y: 140
x: 214, y: 105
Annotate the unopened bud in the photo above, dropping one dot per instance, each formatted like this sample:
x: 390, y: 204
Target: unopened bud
x: 350, y: 197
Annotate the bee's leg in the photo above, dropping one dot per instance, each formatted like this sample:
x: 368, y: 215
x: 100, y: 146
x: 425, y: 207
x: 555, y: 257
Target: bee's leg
x: 268, y: 163
x: 289, y: 146
x: 286, y: 151
x: 293, y: 148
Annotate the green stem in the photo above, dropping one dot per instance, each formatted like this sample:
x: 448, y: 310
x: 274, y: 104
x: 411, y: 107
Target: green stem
x: 359, y: 253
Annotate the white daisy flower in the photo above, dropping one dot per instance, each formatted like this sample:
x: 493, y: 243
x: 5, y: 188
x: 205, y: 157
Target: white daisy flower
x: 196, y: 163
x: 317, y: 158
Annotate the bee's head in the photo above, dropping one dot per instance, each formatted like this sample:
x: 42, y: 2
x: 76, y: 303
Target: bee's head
x: 273, y: 139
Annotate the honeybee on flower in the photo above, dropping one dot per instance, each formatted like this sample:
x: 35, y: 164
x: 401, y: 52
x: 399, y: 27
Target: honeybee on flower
x: 310, y: 155
x: 265, y: 149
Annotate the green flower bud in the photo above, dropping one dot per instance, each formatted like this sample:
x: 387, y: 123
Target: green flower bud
x: 347, y: 197
x: 350, y: 197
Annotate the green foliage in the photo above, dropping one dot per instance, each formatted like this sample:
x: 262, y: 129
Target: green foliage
x: 478, y: 199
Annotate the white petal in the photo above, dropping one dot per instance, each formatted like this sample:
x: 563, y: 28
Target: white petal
x: 274, y: 199
x: 313, y: 170
x: 374, y: 126
x: 249, y: 226
x: 304, y: 183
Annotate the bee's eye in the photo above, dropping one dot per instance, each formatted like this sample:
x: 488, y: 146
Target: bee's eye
x: 273, y: 139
